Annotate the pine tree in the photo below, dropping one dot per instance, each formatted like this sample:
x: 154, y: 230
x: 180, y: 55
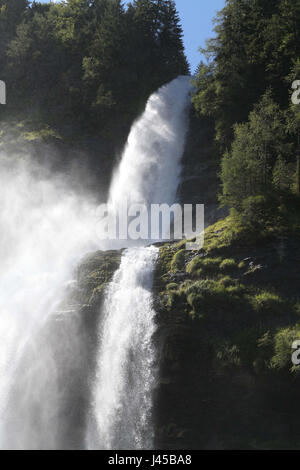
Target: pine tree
x: 170, y: 38
x: 159, y: 41
x: 254, y: 48
x: 105, y: 69
x: 247, y: 170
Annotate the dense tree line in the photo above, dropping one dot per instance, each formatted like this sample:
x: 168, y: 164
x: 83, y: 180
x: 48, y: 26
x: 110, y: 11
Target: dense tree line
x: 91, y: 60
x: 245, y: 89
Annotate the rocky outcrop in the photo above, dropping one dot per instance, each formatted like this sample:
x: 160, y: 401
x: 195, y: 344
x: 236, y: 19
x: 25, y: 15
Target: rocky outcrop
x: 200, y: 168
x: 227, y: 316
x: 93, y: 274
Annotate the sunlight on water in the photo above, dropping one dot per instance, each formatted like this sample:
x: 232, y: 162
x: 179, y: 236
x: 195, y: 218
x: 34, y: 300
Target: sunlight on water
x: 47, y: 224
x: 149, y: 173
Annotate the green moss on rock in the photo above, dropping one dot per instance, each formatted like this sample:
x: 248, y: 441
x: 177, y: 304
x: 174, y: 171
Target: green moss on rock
x: 178, y: 261
x: 226, y: 322
x: 94, y: 272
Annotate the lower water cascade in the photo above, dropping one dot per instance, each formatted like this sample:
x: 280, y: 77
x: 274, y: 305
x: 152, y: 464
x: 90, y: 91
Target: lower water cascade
x: 126, y: 364
x: 46, y: 233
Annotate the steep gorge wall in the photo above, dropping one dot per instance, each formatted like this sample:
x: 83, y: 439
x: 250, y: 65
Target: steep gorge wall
x: 217, y: 386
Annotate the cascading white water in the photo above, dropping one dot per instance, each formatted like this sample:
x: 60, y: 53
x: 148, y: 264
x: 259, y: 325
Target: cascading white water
x: 46, y: 226
x: 149, y: 171
x: 126, y: 361
x: 148, y: 174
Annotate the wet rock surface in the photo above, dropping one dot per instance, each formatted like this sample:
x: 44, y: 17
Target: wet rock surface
x: 217, y: 387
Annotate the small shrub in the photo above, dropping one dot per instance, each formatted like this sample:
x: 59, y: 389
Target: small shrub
x: 204, y: 285
x: 228, y: 265
x: 194, y: 265
x: 267, y: 302
x: 211, y: 265
x: 208, y: 295
x: 238, y: 289
x: 233, y: 286
x: 258, y: 211
x: 200, y: 265
x: 178, y: 261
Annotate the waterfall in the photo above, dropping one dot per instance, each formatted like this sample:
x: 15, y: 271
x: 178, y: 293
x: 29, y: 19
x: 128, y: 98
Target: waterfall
x: 148, y: 173
x: 47, y: 224
x: 126, y: 360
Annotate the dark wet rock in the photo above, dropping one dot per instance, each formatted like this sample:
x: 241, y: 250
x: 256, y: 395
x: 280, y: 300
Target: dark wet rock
x: 217, y: 388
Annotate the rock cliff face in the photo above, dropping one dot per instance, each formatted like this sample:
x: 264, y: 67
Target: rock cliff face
x: 83, y: 303
x: 86, y: 158
x: 227, y: 318
x: 200, y: 168
x: 93, y: 275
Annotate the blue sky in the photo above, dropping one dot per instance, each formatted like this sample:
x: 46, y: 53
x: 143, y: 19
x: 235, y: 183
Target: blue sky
x: 196, y: 17
x: 197, y: 21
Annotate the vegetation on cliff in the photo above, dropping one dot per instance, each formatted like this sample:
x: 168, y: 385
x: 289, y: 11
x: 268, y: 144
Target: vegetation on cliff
x: 228, y: 315
x: 78, y: 73
x: 245, y: 90
x: 87, y: 63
